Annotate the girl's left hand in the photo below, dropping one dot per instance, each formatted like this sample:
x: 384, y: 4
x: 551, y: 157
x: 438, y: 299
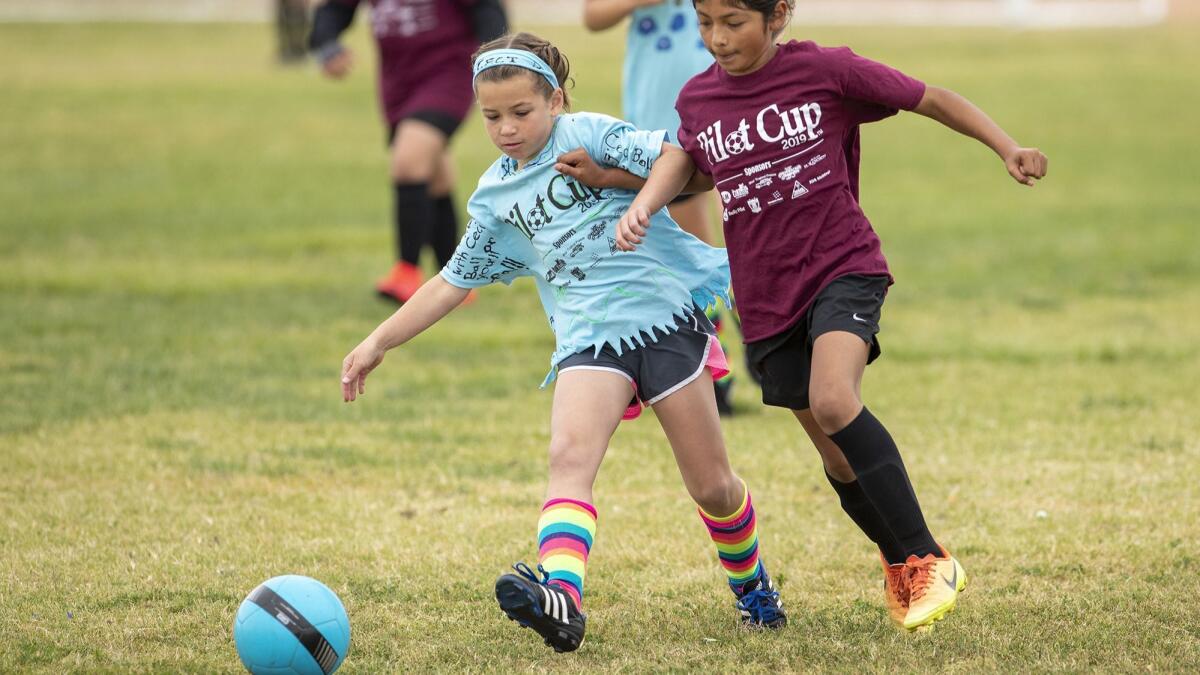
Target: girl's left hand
x: 1026, y: 165
x: 578, y: 164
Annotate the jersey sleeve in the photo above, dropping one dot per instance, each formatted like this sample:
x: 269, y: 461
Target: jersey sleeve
x: 687, y: 140
x: 488, y: 252
x: 877, y: 90
x: 619, y: 144
x: 330, y: 19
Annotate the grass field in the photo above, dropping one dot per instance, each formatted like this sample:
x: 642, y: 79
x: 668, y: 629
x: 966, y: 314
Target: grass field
x: 188, y: 235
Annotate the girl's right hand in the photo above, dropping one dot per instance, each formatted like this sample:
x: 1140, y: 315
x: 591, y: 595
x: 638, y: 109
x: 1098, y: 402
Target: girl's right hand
x: 632, y: 227
x: 357, y: 365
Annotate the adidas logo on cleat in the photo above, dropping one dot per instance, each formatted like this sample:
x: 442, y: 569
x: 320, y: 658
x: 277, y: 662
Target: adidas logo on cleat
x: 542, y: 608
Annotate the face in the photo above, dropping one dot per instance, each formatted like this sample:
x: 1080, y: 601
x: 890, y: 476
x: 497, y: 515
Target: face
x: 518, y: 117
x: 740, y: 39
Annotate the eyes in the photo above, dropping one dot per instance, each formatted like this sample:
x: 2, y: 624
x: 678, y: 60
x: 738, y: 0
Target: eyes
x: 732, y: 25
x: 492, y: 117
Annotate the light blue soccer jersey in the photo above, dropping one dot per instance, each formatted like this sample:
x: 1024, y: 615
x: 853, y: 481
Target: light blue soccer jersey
x: 662, y: 52
x: 537, y: 222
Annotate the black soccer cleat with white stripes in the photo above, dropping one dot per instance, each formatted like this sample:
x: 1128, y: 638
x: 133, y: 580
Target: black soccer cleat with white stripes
x: 546, y: 609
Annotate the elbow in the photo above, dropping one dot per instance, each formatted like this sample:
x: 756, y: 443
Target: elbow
x: 933, y: 103
x: 593, y: 24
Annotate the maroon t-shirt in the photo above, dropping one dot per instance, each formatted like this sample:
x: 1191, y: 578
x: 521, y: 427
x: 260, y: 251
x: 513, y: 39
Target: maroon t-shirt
x: 425, y: 49
x: 782, y: 147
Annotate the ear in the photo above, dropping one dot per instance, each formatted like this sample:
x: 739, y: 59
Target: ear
x: 556, y: 101
x: 779, y: 18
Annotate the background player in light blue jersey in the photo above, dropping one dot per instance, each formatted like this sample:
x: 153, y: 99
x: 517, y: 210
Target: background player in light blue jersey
x: 626, y: 326
x: 663, y: 51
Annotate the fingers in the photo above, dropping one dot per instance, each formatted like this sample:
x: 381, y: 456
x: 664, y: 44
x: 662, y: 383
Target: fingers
x: 1037, y: 162
x: 574, y: 157
x: 568, y: 169
x: 1014, y: 170
x: 1027, y: 166
x: 573, y: 163
x: 352, y: 379
x: 631, y: 228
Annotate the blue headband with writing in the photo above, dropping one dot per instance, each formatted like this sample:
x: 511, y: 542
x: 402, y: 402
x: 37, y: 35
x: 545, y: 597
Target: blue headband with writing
x: 515, y: 57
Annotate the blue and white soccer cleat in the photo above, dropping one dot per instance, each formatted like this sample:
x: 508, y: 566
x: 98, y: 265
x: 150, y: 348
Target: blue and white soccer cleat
x: 758, y: 602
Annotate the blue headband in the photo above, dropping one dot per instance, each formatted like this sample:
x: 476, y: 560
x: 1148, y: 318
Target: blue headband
x: 514, y: 57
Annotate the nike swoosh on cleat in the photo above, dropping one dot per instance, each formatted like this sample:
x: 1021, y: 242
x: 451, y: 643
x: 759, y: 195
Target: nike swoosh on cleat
x: 951, y: 582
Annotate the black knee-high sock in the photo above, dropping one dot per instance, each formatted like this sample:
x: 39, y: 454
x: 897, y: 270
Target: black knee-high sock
x: 414, y: 220
x: 863, y: 513
x: 444, y: 236
x: 873, y: 455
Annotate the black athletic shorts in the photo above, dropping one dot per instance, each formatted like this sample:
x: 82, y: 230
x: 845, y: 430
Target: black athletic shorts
x: 853, y: 303
x: 442, y: 121
x: 662, y: 367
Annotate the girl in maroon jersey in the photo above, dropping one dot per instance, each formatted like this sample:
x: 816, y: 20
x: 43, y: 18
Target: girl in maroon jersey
x: 774, y: 128
x: 425, y: 49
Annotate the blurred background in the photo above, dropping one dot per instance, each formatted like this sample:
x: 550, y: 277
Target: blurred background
x: 190, y: 226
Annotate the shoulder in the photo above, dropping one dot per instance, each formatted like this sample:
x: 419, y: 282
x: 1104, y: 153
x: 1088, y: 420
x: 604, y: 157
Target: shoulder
x: 487, y: 186
x: 586, y: 120
x: 700, y: 85
x: 809, y: 51
x: 839, y: 56
x: 575, y: 129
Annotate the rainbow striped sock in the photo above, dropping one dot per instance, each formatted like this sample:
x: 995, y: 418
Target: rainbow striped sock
x: 736, y: 537
x: 565, y: 533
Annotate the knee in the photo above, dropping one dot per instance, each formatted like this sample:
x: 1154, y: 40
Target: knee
x: 839, y: 469
x: 834, y: 408
x: 441, y: 184
x: 407, y: 171
x: 718, y: 497
x: 567, y: 455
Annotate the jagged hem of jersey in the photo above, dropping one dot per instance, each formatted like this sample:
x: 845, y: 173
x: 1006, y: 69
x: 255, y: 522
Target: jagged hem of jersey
x: 703, y: 297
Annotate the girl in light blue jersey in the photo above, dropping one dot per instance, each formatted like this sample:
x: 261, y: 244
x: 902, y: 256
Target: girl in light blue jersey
x: 629, y: 328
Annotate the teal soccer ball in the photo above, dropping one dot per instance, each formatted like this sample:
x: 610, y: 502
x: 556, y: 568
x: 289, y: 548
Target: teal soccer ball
x: 292, y: 625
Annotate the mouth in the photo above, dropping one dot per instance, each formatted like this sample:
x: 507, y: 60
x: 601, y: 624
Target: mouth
x: 509, y: 147
x: 725, y: 58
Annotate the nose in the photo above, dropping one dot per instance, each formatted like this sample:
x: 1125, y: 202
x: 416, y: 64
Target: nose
x: 719, y: 37
x: 508, y: 129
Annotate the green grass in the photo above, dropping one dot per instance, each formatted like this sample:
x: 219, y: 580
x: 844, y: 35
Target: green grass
x: 187, y: 239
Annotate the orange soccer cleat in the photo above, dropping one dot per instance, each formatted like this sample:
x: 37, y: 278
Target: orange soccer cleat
x: 933, y: 587
x: 401, y: 282
x: 895, y: 588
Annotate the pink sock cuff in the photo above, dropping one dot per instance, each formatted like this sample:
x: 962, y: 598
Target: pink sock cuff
x: 567, y: 500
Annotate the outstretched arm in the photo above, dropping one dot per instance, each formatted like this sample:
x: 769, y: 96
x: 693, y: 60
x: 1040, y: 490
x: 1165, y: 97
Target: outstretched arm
x: 426, y: 307
x: 578, y: 164
x: 602, y: 14
x: 1025, y: 165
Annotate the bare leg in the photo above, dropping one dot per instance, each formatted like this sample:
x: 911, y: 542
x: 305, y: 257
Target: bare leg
x: 588, y: 405
x: 855, y: 445
x: 689, y: 419
x: 417, y: 152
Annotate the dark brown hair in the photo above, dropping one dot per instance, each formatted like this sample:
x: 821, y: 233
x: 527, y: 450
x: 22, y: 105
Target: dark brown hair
x: 540, y: 48
x: 764, y: 7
